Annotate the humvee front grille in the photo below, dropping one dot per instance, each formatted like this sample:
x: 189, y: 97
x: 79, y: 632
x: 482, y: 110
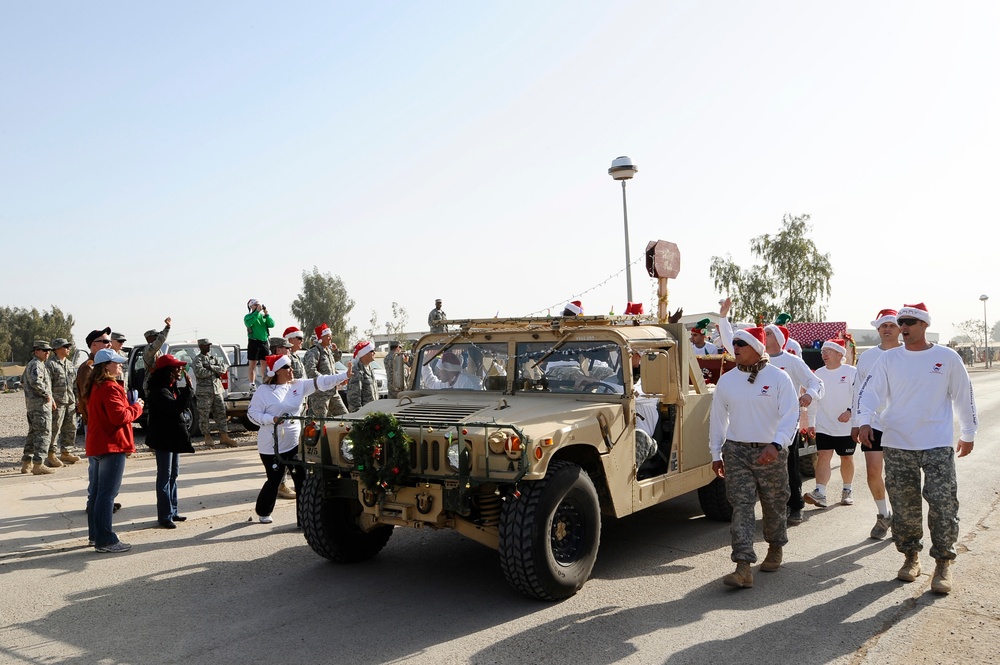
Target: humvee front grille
x: 436, y: 413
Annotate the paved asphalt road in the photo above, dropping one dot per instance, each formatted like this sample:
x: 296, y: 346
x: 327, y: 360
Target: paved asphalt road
x: 222, y: 589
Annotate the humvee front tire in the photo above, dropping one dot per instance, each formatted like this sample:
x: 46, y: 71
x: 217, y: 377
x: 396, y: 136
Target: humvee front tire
x: 714, y: 502
x: 550, y: 534
x: 331, y: 526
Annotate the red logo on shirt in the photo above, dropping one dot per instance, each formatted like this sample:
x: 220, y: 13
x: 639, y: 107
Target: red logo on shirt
x: 764, y: 389
x: 936, y: 369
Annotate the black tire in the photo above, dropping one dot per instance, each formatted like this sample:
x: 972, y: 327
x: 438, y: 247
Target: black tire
x: 331, y: 526
x: 249, y: 424
x: 190, y: 419
x: 550, y: 534
x: 714, y: 502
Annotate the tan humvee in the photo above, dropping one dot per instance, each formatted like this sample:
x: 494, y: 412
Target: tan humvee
x: 522, y: 434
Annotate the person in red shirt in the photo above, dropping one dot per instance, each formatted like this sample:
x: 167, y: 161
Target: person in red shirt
x: 109, y: 442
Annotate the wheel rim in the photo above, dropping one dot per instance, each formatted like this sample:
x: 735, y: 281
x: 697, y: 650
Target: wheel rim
x: 568, y: 529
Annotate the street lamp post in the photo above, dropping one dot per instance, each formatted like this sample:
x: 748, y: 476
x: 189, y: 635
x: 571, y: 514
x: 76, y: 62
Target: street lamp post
x: 986, y: 330
x: 623, y: 169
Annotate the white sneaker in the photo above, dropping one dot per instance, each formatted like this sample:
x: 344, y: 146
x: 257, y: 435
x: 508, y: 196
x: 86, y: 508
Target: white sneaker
x: 815, y: 498
x: 846, y: 498
x: 265, y: 519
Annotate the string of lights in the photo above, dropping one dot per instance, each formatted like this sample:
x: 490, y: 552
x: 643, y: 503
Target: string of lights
x: 561, y: 303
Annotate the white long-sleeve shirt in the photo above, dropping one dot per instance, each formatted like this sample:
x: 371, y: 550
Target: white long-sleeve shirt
x: 838, y: 397
x: 922, y: 391
x: 798, y: 371
x: 866, y: 361
x: 764, y: 411
x: 271, y: 400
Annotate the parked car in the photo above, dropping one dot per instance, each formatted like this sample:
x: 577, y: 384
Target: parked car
x: 236, y: 404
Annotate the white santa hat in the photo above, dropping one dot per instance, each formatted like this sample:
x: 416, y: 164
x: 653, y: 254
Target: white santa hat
x: 836, y: 345
x: 274, y: 363
x: 884, y: 316
x: 918, y: 311
x: 778, y: 333
x: 362, y: 347
x: 575, y: 306
x: 450, y: 362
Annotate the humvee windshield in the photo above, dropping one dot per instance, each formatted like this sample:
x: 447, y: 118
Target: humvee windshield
x: 464, y: 366
x: 574, y: 367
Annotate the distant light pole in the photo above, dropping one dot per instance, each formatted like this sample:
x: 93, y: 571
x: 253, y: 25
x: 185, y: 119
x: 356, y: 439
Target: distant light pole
x: 986, y: 330
x: 623, y: 169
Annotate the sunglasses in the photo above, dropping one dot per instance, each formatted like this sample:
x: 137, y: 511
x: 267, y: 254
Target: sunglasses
x: 740, y: 343
x: 906, y: 322
x: 103, y: 341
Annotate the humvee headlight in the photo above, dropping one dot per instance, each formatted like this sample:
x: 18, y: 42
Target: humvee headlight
x: 345, y: 449
x: 497, y: 442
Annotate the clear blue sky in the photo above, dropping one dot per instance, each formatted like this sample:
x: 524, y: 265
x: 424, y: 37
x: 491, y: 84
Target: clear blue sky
x: 177, y: 159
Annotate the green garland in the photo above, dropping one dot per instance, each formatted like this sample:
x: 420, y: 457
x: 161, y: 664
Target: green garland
x: 381, y: 452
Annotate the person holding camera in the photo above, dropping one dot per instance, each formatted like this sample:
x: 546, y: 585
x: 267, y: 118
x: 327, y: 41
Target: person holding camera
x: 259, y: 324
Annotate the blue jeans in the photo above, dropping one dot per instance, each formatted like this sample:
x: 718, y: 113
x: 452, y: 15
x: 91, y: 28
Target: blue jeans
x: 105, y: 481
x: 166, y: 485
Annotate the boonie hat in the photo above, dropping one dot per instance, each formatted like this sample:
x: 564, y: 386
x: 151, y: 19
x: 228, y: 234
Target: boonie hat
x: 60, y: 343
x: 118, y: 337
x: 40, y: 345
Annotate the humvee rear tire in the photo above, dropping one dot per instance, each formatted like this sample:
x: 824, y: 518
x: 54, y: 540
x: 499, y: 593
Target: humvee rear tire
x: 331, y: 526
x: 714, y: 502
x: 550, y: 534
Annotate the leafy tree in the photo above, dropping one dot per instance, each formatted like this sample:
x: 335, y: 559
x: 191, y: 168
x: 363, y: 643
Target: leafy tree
x: 793, y: 276
x: 324, y: 299
x: 970, y: 331
x: 20, y: 327
x: 995, y: 333
x: 400, y: 319
x: 372, y: 328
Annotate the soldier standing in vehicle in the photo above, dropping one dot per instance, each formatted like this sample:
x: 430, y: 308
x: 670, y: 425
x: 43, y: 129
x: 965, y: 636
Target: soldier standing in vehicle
x: 209, y: 371
x: 395, y: 370
x: 436, y: 318
x: 37, y: 388
x: 753, y: 419
x: 63, y: 376
x: 154, y: 349
x: 319, y: 361
x: 362, y: 388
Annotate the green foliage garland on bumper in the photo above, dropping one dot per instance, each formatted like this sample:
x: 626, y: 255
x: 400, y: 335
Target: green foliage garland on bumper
x: 381, y: 452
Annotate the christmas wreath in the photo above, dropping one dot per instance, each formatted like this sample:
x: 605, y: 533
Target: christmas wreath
x: 381, y: 451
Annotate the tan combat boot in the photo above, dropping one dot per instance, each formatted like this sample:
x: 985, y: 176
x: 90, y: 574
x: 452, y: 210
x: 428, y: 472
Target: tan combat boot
x: 226, y: 441
x: 40, y: 469
x: 26, y: 466
x: 53, y: 461
x: 772, y: 561
x: 941, y: 582
x: 285, y: 492
x: 209, y: 442
x: 910, y: 569
x: 67, y: 457
x: 741, y: 577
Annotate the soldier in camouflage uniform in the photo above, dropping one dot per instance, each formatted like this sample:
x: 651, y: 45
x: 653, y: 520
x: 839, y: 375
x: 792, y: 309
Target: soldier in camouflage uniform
x: 209, y: 371
x: 319, y: 360
x: 921, y: 386
x: 395, y: 370
x: 436, y: 318
x: 362, y: 387
x: 154, y: 349
x: 63, y: 376
x: 295, y: 338
x: 755, y: 414
x: 38, y: 398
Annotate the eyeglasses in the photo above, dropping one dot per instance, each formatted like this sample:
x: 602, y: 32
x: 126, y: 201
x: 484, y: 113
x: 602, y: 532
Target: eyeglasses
x: 906, y: 322
x: 288, y: 367
x: 740, y: 343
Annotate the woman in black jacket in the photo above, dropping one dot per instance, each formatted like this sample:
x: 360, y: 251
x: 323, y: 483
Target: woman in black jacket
x: 167, y: 434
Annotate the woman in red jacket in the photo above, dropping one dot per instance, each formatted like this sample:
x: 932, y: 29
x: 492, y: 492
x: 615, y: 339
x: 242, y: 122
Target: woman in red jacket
x: 109, y: 442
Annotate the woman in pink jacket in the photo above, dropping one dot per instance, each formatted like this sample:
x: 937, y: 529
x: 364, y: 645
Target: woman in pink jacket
x: 109, y: 442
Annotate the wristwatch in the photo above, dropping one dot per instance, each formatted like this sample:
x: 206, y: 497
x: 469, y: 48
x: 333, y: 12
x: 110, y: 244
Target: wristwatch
x: 776, y: 445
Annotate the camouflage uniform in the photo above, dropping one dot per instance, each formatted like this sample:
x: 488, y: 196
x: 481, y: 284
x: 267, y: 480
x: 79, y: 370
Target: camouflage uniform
x: 37, y: 388
x: 745, y: 479
x: 361, y: 387
x: 436, y: 320
x: 395, y: 373
x: 940, y: 488
x: 298, y: 369
x: 151, y: 353
x: 319, y: 360
x: 63, y: 377
x: 208, y: 391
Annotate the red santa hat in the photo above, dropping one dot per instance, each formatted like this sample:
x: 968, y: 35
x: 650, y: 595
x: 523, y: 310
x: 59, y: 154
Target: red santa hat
x: 322, y: 330
x: 276, y: 362
x: 450, y: 362
x: 884, y: 316
x: 752, y: 336
x: 836, y: 345
x: 575, y: 306
x: 780, y: 333
x: 918, y: 311
x: 363, y: 347
x: 292, y: 331
x: 633, y: 309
